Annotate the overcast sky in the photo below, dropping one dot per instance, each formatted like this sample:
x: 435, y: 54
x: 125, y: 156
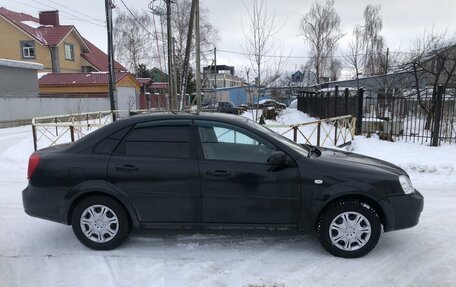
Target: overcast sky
x: 403, y: 21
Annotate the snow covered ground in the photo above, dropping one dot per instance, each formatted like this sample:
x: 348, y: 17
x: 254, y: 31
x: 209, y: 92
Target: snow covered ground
x: 35, y: 252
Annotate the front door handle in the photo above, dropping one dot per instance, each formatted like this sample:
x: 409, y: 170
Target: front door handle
x: 127, y: 167
x: 219, y: 173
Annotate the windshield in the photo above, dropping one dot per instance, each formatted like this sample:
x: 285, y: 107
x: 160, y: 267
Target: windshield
x: 297, y: 147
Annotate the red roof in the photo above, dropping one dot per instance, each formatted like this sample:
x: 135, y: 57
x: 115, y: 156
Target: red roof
x: 59, y: 79
x: 99, y: 59
x: 49, y: 35
x: 159, y: 85
x: 46, y: 35
x: 144, y: 81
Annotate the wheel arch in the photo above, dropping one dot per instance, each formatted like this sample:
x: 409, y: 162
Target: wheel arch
x: 117, y: 197
x: 355, y: 196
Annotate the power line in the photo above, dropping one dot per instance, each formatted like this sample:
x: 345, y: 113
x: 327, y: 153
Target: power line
x: 136, y: 19
x: 74, y: 10
x: 304, y: 57
x: 68, y: 13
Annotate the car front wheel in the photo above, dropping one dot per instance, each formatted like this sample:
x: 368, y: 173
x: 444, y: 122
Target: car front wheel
x: 349, y: 229
x: 100, y: 222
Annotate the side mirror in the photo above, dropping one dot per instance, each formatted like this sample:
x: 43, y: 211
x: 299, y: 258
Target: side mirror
x: 278, y: 158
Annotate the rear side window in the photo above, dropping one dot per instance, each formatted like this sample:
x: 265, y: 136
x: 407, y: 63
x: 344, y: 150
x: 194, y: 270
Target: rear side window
x: 107, y: 145
x: 159, y: 142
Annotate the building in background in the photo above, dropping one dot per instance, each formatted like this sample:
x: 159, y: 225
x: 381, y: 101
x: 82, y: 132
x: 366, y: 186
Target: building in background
x: 59, y: 48
x: 85, y: 86
x: 220, y: 83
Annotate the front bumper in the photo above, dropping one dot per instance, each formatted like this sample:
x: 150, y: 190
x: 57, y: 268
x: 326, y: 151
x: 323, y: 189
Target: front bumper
x: 44, y: 203
x: 402, y: 211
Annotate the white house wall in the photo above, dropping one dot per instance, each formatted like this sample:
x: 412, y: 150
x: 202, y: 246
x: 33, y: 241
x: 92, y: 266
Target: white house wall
x: 20, y: 110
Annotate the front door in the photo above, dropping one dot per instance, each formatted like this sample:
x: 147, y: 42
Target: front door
x: 156, y: 166
x: 238, y: 186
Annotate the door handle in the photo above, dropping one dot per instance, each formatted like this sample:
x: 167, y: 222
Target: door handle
x: 219, y: 173
x: 127, y: 167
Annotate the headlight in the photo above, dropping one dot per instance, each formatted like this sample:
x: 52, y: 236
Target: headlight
x: 406, y: 184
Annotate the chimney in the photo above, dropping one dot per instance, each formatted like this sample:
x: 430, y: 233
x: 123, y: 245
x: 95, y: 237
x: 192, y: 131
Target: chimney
x: 50, y: 18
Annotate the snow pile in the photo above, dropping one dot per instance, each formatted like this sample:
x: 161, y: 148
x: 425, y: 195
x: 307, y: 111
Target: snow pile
x: 412, y: 157
x: 292, y: 116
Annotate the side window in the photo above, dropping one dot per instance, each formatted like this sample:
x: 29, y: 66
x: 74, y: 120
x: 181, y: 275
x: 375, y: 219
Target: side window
x: 159, y: 142
x: 223, y: 142
x: 28, y: 49
x: 69, y: 52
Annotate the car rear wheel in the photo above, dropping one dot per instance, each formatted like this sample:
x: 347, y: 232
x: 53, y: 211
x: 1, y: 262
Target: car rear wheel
x: 349, y: 229
x: 100, y: 222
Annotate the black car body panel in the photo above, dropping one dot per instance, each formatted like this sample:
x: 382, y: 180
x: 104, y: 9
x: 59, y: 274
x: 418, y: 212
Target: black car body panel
x: 129, y: 161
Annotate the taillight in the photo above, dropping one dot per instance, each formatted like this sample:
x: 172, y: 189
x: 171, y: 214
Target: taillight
x: 33, y: 163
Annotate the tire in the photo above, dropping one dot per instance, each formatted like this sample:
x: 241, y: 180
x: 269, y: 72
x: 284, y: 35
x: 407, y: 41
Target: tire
x: 100, y: 222
x: 352, y: 240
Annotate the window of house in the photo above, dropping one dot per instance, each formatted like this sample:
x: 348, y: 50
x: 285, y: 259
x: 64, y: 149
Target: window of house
x: 87, y: 69
x: 69, y: 53
x: 28, y: 49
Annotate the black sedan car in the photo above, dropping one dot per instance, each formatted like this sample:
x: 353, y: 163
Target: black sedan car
x: 215, y: 170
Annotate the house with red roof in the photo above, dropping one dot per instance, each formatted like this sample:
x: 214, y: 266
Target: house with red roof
x: 59, y: 48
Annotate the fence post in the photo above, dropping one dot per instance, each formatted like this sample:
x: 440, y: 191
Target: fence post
x: 328, y: 104
x: 295, y: 134
x: 318, y: 133
x: 359, y: 112
x: 346, y: 92
x: 437, y: 117
x: 72, y: 133
x: 35, y: 144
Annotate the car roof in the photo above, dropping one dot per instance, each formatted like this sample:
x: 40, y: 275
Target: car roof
x: 90, y: 139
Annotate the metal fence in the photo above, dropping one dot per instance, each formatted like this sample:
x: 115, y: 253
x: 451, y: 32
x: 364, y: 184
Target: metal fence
x: 330, y: 132
x: 53, y: 130
x: 429, y: 119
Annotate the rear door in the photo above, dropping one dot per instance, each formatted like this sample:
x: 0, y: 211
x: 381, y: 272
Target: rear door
x: 238, y: 186
x: 156, y: 166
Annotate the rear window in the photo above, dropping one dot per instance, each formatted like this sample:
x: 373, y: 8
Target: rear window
x: 159, y: 142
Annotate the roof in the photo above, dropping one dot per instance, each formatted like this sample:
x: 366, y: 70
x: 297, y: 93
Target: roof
x: 49, y: 35
x: 99, y: 59
x: 159, y: 85
x: 20, y: 64
x: 61, y: 79
x: 144, y: 81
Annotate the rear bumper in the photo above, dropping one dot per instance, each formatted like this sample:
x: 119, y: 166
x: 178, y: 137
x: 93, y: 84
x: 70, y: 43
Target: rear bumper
x: 404, y: 210
x: 44, y: 203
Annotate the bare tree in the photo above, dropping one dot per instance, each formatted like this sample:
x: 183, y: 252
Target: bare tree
x: 433, y: 62
x: 180, y: 22
x: 334, y: 69
x: 373, y: 42
x: 260, y: 41
x: 353, y: 57
x: 132, y: 40
x: 321, y: 29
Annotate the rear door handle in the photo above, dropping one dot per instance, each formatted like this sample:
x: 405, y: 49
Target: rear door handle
x: 127, y: 167
x: 219, y: 173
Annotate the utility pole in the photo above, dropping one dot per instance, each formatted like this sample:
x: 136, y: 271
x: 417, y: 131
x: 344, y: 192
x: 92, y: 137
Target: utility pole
x: 171, y: 92
x: 187, y: 49
x: 385, y: 80
x: 216, y: 72
x: 176, y: 102
x: 112, y: 88
x: 198, y: 60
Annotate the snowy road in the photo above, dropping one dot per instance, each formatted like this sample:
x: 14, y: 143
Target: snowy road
x: 36, y: 252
